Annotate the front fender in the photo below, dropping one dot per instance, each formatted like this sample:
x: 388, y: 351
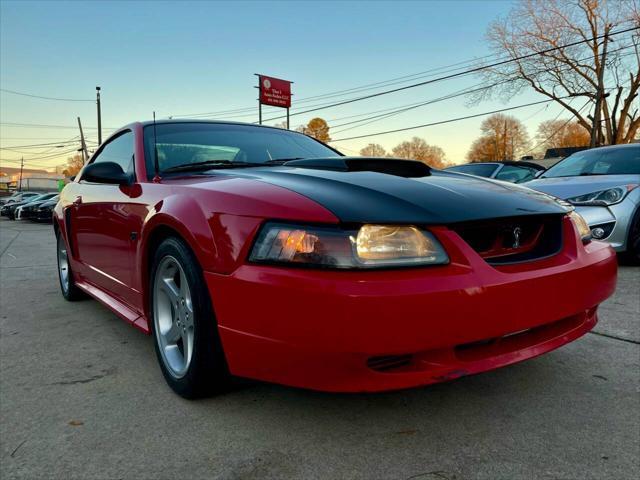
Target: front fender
x: 182, y: 214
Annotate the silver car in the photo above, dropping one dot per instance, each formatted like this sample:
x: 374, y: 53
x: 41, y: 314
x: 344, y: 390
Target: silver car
x: 507, y: 171
x: 604, y: 185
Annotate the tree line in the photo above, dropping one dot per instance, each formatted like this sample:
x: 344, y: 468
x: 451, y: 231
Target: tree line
x: 415, y: 149
x: 504, y: 137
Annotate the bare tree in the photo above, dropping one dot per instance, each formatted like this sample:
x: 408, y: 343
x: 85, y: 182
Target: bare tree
x: 561, y: 134
x: 603, y: 70
x: 373, y: 150
x: 503, y: 138
x: 418, y: 149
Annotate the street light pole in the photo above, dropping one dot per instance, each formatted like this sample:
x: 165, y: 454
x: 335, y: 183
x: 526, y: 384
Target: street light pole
x: 99, y: 116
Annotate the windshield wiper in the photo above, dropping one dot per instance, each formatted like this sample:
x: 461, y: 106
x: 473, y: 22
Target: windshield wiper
x: 209, y: 164
x: 280, y: 161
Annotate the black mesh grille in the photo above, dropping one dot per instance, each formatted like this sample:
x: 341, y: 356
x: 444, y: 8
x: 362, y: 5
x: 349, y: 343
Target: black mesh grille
x: 513, y: 239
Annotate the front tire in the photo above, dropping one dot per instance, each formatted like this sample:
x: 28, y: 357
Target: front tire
x: 183, y: 325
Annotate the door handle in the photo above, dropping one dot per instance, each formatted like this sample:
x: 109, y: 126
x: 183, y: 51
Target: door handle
x: 78, y: 201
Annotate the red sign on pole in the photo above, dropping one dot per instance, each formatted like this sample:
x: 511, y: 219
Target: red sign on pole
x: 275, y: 92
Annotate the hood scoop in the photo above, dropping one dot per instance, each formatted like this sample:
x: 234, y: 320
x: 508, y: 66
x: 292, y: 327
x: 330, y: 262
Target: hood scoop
x: 390, y: 166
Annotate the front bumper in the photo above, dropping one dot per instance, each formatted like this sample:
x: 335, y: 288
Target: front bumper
x: 619, y: 216
x: 334, y: 330
x: 43, y: 215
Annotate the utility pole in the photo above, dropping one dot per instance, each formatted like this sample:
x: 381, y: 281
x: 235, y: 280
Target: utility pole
x: 595, y: 128
x: 21, y: 168
x: 83, y: 145
x: 99, y: 116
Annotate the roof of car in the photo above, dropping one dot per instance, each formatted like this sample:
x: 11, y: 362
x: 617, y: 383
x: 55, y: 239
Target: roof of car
x: 197, y: 120
x: 613, y: 147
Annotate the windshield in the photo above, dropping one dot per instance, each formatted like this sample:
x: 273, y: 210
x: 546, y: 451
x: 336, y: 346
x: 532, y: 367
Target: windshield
x: 36, y: 198
x: 479, y: 169
x: 606, y: 161
x: 181, y: 144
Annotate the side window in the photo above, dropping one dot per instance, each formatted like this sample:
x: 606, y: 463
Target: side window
x: 120, y: 151
x: 511, y: 173
x: 479, y: 169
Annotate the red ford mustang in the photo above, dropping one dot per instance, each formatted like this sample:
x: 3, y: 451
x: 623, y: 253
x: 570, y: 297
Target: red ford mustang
x: 258, y: 252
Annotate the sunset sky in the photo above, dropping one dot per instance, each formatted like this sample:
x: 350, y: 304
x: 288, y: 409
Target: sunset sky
x: 196, y: 57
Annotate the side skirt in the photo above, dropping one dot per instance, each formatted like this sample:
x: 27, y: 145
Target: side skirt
x: 116, y: 306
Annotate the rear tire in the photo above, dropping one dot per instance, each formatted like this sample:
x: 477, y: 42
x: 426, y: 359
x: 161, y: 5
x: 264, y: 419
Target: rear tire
x: 183, y: 324
x: 68, y: 287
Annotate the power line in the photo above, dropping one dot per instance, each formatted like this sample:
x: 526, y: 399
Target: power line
x: 326, y: 105
x: 37, y: 145
x: 39, y: 125
x: 445, y: 121
x: 542, y: 142
x: 26, y: 162
x: 50, y: 156
x: 46, y: 150
x: 454, y: 75
x: 2, y: 137
x: 393, y: 81
x: 45, y: 98
x: 440, y: 99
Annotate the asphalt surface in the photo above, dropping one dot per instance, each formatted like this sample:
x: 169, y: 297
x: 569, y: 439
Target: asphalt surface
x: 81, y: 396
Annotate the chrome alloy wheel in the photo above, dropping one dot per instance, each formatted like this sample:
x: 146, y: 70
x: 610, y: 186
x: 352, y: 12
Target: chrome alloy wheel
x: 173, y: 316
x: 63, y: 264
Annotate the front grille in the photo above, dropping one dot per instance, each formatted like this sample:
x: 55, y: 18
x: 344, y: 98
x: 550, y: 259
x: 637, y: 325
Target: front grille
x: 514, y: 239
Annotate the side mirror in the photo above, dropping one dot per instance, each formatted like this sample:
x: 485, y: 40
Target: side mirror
x: 539, y: 173
x: 105, y: 172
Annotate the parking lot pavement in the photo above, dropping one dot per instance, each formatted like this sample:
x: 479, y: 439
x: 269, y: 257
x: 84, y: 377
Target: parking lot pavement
x: 81, y: 396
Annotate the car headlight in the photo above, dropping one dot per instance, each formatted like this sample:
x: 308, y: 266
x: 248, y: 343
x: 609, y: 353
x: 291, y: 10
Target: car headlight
x: 581, y: 225
x: 603, y: 198
x: 369, y: 246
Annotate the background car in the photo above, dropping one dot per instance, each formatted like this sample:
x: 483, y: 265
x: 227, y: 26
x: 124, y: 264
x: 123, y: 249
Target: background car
x: 44, y: 211
x: 17, y: 197
x: 603, y: 185
x: 9, y: 210
x: 28, y: 209
x: 507, y: 171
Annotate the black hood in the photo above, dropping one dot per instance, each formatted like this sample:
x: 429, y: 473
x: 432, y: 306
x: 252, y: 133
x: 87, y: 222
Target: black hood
x: 409, y: 194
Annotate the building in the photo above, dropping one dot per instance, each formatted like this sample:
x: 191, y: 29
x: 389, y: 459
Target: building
x: 32, y: 179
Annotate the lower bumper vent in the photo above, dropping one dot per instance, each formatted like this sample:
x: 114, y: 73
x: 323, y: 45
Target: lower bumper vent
x: 388, y: 362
